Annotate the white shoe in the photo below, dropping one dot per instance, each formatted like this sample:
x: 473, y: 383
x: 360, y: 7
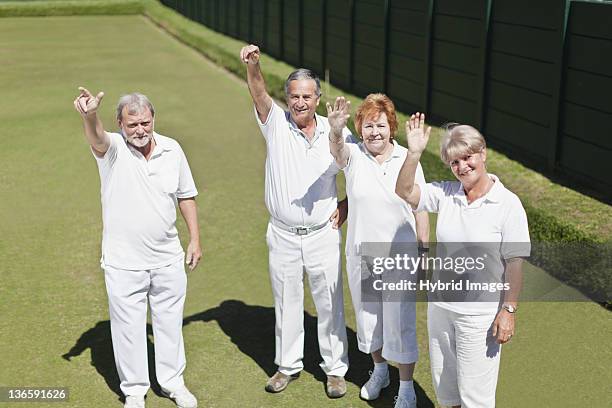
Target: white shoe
x: 371, y: 390
x: 182, y: 398
x: 401, y: 402
x: 134, y: 401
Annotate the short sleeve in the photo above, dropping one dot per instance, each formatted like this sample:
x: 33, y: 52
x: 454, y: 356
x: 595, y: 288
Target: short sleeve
x: 431, y: 195
x: 515, y: 232
x: 268, y: 128
x: 354, y: 151
x: 186, y: 185
x: 348, y: 136
x: 420, y: 176
x: 109, y: 158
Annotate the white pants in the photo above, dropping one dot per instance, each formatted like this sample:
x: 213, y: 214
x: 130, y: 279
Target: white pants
x: 464, y: 357
x: 128, y: 291
x: 317, y: 253
x: 390, y: 325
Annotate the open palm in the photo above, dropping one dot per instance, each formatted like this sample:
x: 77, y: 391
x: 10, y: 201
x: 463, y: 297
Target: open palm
x: 416, y: 135
x: 338, y: 113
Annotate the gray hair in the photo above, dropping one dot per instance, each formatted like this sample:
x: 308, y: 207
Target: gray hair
x: 302, y: 73
x: 135, y: 102
x: 460, y: 140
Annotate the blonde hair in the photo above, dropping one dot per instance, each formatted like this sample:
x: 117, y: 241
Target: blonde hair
x: 460, y: 140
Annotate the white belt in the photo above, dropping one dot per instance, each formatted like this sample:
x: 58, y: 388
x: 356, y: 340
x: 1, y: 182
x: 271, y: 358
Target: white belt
x: 301, y: 230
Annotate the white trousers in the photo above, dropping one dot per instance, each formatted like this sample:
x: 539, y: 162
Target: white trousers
x: 464, y: 357
x: 390, y: 325
x: 128, y: 292
x: 318, y: 254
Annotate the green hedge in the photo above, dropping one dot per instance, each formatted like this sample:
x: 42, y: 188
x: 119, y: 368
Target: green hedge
x: 67, y: 8
x: 547, y: 204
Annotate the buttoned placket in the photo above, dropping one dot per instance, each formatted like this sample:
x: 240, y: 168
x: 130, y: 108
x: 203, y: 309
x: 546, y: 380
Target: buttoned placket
x: 384, y: 166
x: 309, y: 146
x: 157, y: 151
x: 317, y: 133
x: 460, y: 195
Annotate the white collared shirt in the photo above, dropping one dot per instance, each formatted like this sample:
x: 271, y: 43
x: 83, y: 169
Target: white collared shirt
x: 300, y: 186
x: 376, y: 212
x: 496, y: 217
x: 139, y: 200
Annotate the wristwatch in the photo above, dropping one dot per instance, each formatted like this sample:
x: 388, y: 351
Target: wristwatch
x: 510, y: 308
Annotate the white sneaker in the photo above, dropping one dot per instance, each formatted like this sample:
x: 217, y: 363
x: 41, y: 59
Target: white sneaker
x: 371, y: 390
x: 134, y: 401
x: 182, y: 398
x: 402, y: 402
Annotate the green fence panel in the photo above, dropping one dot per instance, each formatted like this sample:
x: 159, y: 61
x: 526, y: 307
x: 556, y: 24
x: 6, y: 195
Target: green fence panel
x: 456, y: 63
x: 232, y: 18
x: 369, y: 51
x: 274, y: 28
x: 338, y: 34
x: 244, y: 20
x: 585, y: 144
x: 313, y: 35
x: 519, y: 138
x: 258, y: 22
x: 215, y: 17
x: 523, y: 77
x: 407, y: 52
x: 292, y: 41
x: 221, y: 16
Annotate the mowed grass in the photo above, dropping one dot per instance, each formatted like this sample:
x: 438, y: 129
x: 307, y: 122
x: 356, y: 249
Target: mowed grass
x: 53, y: 301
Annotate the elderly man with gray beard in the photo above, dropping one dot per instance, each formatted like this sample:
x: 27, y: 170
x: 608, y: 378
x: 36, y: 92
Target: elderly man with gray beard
x: 144, y: 178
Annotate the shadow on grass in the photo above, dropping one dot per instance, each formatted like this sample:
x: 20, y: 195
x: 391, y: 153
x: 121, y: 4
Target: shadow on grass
x: 98, y: 340
x: 251, y: 329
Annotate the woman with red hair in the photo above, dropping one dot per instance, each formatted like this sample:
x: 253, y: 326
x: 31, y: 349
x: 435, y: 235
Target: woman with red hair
x: 385, y: 329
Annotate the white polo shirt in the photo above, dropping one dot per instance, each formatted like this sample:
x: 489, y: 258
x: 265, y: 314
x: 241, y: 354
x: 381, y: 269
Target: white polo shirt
x: 139, y: 201
x: 496, y: 217
x: 376, y: 212
x: 300, y: 186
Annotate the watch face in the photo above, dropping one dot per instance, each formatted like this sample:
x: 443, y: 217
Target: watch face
x: 510, y: 308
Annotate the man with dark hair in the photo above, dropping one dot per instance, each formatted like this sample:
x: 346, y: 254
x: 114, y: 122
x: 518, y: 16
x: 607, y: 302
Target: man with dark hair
x: 144, y: 177
x: 303, y: 234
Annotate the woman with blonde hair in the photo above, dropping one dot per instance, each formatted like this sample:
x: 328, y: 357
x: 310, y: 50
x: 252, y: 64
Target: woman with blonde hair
x: 385, y: 329
x: 465, y: 337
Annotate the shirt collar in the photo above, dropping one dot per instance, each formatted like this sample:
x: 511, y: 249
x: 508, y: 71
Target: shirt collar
x: 396, y: 153
x: 492, y: 196
x: 161, y: 145
x: 319, y: 129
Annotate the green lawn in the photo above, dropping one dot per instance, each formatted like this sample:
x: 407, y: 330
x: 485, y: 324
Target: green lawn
x: 53, y: 301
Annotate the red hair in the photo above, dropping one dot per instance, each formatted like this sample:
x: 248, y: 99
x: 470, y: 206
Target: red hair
x: 372, y: 106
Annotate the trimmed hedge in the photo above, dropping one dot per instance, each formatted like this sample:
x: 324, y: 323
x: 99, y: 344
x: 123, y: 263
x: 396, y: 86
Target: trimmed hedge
x: 68, y: 8
x: 544, y: 225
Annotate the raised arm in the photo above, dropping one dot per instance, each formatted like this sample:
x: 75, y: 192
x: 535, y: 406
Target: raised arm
x: 87, y: 105
x: 338, y: 115
x: 257, y: 86
x: 422, y: 229
x: 417, y: 138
